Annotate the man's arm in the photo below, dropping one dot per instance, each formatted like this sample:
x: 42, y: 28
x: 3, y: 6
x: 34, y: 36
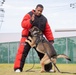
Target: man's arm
x: 48, y: 33
x: 26, y: 21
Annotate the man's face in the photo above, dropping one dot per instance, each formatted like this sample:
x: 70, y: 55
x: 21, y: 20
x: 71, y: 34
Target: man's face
x: 38, y: 11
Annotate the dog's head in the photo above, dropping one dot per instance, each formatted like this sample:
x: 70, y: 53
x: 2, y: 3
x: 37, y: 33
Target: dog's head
x: 35, y: 31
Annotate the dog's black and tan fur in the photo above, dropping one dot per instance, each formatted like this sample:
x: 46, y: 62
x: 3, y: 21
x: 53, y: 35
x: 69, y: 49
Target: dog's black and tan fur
x: 42, y: 45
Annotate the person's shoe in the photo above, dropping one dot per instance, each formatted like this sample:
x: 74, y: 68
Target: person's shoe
x: 17, y: 70
x: 51, y: 71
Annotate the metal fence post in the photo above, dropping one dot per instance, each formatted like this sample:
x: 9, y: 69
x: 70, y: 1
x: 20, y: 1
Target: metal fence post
x: 8, y: 51
x: 66, y: 48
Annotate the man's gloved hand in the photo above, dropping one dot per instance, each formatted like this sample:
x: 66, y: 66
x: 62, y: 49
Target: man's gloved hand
x: 51, y: 41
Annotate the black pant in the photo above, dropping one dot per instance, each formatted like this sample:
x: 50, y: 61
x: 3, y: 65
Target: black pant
x: 25, y: 53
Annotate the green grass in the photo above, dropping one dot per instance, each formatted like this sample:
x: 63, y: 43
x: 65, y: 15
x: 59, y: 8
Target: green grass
x: 7, y: 69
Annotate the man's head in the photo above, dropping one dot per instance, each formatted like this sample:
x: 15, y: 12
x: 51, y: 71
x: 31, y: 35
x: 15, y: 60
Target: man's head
x: 38, y: 10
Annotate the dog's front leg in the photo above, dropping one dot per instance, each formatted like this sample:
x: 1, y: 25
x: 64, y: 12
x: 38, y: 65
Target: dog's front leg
x: 30, y: 38
x: 30, y: 41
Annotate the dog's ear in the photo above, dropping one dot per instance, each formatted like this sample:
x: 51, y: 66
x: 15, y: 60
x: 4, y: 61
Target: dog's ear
x: 32, y: 29
x: 35, y: 32
x: 36, y: 28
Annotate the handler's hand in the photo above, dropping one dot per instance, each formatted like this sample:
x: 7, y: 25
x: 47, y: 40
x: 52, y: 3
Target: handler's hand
x: 51, y: 42
x: 33, y: 17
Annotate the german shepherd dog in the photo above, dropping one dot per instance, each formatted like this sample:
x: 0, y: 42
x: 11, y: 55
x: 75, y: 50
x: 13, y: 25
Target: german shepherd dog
x: 43, y: 46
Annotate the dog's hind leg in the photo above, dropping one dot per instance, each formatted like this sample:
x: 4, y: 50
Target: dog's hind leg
x: 42, y: 64
x: 47, y: 60
x: 44, y: 60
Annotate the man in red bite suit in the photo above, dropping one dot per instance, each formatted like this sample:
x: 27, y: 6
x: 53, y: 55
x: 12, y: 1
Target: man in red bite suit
x: 33, y: 18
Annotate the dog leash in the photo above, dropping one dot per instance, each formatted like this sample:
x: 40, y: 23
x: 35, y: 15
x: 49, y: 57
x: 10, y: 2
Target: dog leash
x: 33, y: 62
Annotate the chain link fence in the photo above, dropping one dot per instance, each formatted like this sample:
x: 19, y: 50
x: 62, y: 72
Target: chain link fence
x: 66, y: 46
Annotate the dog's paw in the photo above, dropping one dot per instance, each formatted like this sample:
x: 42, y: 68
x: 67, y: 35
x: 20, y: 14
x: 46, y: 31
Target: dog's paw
x: 54, y: 71
x: 26, y: 41
x: 29, y: 38
x: 42, y: 71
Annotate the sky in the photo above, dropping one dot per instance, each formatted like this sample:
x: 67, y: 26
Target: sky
x: 58, y: 13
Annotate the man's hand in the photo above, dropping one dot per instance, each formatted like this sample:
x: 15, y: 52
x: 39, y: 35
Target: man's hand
x: 51, y: 42
x: 33, y: 17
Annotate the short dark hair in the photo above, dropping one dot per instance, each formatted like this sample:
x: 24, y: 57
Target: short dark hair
x: 39, y: 5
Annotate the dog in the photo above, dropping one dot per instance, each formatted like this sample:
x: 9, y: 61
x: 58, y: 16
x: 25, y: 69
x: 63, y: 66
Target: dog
x: 37, y: 40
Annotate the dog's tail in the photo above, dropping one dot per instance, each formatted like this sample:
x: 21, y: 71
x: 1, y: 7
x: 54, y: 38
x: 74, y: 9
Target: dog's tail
x: 63, y: 56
